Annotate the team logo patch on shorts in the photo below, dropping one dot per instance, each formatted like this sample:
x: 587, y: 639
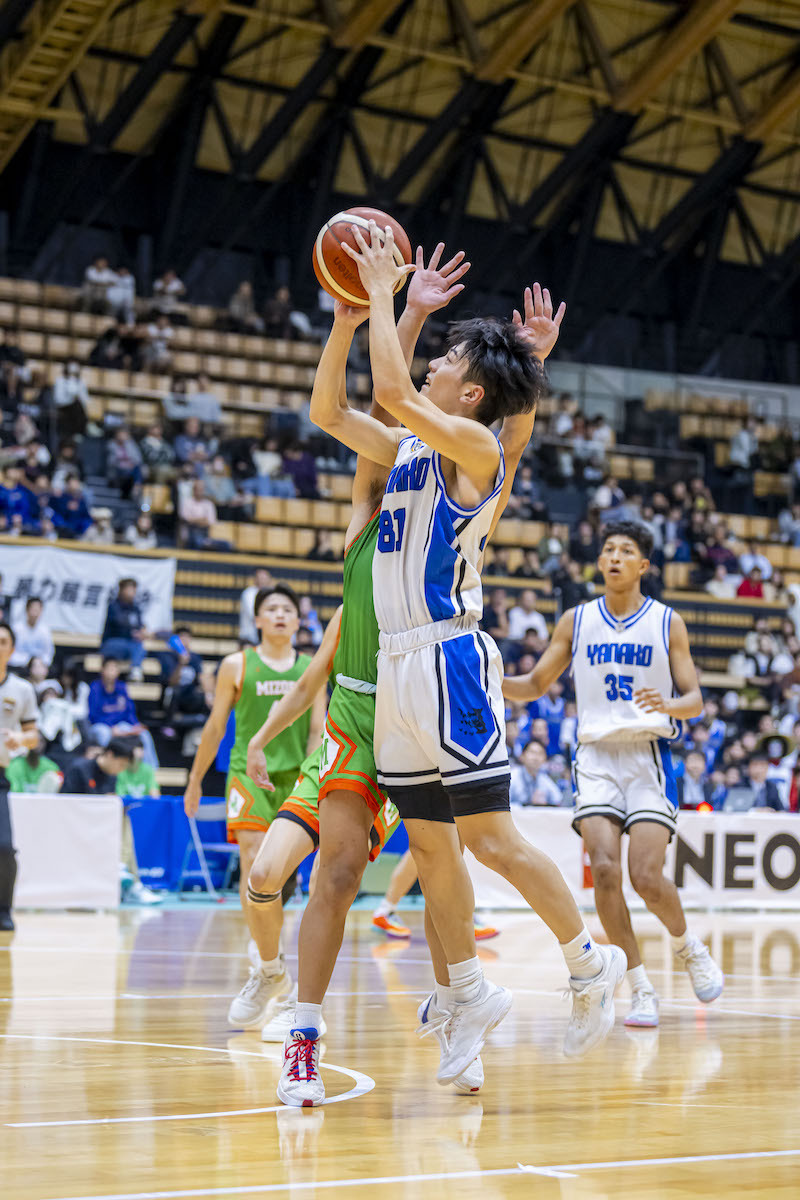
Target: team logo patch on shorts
x: 236, y: 802
x: 472, y: 720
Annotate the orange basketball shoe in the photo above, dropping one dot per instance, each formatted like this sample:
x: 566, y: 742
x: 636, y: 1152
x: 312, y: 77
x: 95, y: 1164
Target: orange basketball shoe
x: 390, y: 926
x: 484, y: 932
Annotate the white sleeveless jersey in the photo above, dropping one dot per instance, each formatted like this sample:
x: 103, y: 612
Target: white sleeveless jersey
x: 611, y: 660
x: 425, y: 567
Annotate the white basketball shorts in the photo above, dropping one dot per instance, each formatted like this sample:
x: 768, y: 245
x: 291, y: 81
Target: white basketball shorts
x: 439, y: 711
x: 625, y: 781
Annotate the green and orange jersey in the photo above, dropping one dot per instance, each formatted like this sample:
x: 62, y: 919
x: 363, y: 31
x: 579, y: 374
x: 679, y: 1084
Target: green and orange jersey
x: 259, y: 688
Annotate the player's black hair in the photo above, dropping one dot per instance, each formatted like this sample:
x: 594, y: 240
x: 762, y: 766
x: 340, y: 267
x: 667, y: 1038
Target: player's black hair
x: 634, y: 530
x: 183, y: 629
x: 279, y: 589
x: 125, y: 582
x: 758, y: 756
x: 5, y: 625
x: 535, y: 742
x: 497, y: 358
x: 107, y: 658
x: 33, y: 600
x: 120, y: 748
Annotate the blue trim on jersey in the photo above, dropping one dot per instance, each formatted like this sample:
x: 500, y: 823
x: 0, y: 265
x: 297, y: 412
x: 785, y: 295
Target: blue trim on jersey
x: 665, y: 624
x: 631, y: 620
x: 436, y: 462
x: 576, y: 627
x: 670, y: 785
x: 442, y: 595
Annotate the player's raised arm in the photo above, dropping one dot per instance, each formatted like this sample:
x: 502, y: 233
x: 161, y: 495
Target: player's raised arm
x: 228, y: 680
x: 540, y: 329
x: 689, y: 701
x: 550, y: 667
x: 469, y: 444
x: 329, y: 408
x: 308, y: 690
x: 430, y: 288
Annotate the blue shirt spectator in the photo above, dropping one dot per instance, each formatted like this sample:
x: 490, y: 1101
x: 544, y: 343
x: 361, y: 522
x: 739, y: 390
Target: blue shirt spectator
x: 109, y: 702
x: 71, y: 514
x: 124, y: 632
x: 18, y: 504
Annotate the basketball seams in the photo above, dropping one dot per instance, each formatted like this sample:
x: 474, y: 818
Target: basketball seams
x: 328, y: 275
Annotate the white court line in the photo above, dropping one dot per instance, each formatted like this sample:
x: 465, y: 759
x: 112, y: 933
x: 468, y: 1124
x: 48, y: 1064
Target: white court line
x: 363, y: 1083
x: 520, y: 1169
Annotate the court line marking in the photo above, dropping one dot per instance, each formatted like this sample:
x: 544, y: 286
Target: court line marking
x: 377, y: 1181
x: 363, y: 1083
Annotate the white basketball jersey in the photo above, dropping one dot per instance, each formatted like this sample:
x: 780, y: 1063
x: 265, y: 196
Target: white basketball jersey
x: 425, y: 567
x: 611, y: 660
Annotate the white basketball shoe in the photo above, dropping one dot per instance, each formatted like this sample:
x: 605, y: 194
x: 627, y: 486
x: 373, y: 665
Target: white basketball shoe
x: 643, y: 1012
x: 248, y: 1010
x: 707, y: 979
x: 433, y: 1019
x: 468, y: 1027
x: 281, y: 1019
x: 300, y: 1084
x: 593, y: 1004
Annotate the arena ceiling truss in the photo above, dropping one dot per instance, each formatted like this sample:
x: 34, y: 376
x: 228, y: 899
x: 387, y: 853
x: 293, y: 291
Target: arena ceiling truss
x: 669, y: 127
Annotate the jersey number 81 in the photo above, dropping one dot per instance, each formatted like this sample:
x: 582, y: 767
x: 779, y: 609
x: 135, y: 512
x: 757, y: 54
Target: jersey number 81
x: 388, y: 539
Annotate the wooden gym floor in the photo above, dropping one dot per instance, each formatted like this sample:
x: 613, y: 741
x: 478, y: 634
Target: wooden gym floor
x: 121, y: 1080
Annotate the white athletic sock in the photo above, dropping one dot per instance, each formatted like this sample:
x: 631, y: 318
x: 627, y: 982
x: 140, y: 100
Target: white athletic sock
x: 466, y: 980
x: 383, y: 909
x: 637, y: 978
x: 308, y: 1016
x: 444, y: 996
x: 679, y: 943
x: 582, y: 956
x: 272, y: 966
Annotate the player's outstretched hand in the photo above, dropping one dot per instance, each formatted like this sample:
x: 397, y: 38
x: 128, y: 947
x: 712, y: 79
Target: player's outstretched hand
x: 191, y: 799
x: 432, y: 287
x: 540, y: 329
x: 651, y: 700
x: 350, y: 315
x: 257, y: 769
x: 377, y: 268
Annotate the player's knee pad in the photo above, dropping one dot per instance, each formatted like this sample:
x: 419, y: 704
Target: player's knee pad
x: 261, y: 897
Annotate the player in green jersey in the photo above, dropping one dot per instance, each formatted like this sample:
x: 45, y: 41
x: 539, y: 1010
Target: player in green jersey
x: 249, y: 683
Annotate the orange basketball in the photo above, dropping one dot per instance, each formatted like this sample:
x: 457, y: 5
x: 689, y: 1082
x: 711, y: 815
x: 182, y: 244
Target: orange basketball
x: 336, y: 272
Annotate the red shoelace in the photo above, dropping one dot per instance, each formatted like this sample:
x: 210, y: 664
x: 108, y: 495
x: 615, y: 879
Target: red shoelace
x: 301, y: 1054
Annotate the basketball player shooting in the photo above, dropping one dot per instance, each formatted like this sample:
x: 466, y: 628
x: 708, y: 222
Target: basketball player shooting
x: 635, y: 681
x: 439, y: 736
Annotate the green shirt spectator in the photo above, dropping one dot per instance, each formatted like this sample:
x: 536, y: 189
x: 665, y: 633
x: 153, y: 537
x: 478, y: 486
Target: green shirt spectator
x: 33, y: 773
x: 138, y: 780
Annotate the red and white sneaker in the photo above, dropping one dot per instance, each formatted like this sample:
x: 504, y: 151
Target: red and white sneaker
x: 391, y: 927
x: 300, y: 1084
x: 433, y: 1019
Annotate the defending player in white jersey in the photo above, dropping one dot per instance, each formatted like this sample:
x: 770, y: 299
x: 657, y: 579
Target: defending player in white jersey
x: 439, y: 724
x: 634, y: 682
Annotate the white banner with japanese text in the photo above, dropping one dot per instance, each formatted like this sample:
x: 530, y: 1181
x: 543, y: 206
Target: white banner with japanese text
x: 76, y: 585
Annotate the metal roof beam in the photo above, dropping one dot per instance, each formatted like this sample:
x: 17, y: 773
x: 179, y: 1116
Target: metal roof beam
x: 514, y: 44
x: 780, y: 106
x: 689, y: 35
x: 365, y: 19
x: 150, y: 71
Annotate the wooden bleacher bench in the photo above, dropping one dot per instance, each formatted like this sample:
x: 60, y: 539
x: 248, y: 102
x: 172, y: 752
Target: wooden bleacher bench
x: 172, y: 776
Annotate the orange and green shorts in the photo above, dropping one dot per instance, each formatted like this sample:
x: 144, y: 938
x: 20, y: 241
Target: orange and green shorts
x: 250, y: 807
x: 348, y: 757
